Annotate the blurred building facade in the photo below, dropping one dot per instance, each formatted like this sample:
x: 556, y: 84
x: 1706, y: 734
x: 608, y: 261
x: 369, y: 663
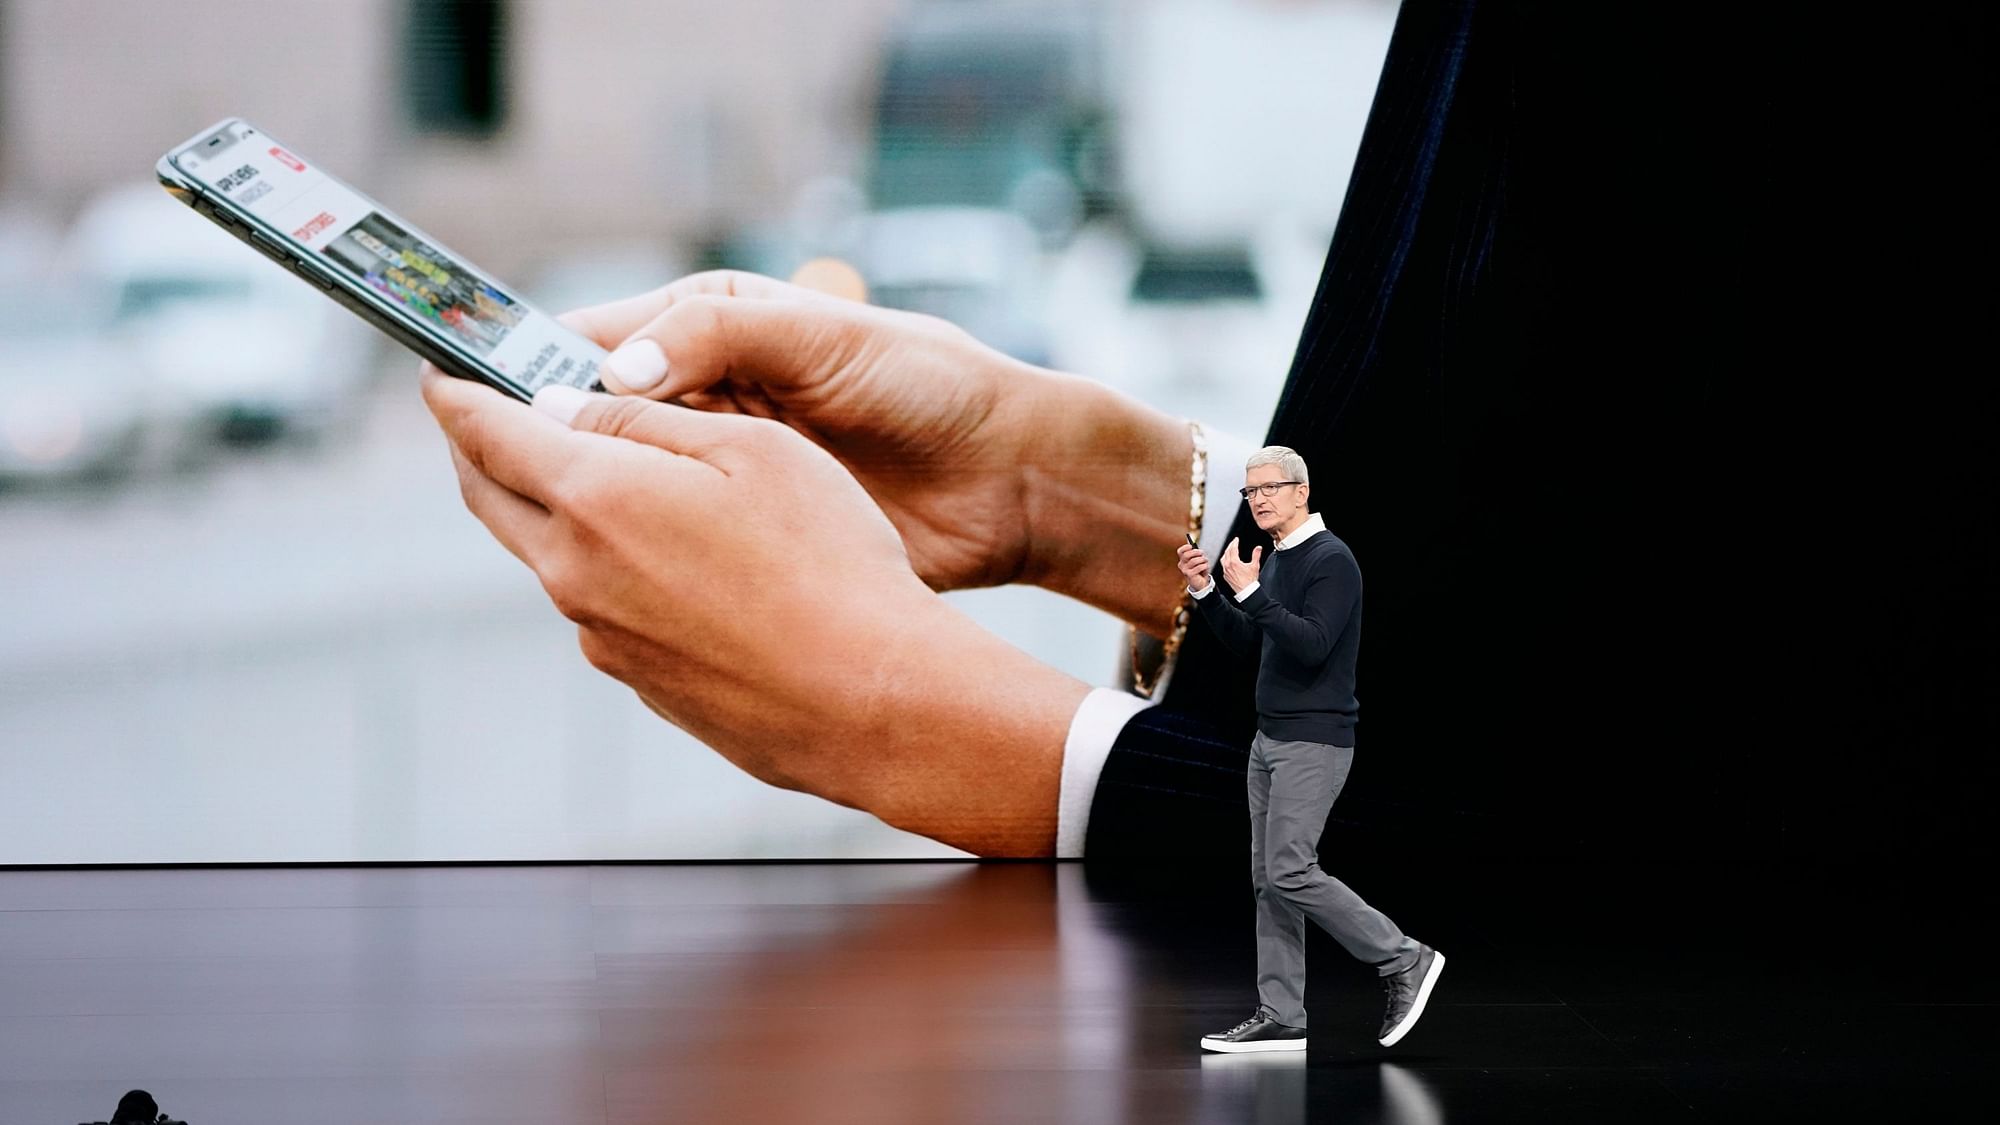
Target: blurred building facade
x: 648, y: 118
x: 517, y: 126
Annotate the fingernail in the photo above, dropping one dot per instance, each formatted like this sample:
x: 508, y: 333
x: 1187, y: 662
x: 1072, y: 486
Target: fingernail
x: 561, y: 402
x: 639, y: 364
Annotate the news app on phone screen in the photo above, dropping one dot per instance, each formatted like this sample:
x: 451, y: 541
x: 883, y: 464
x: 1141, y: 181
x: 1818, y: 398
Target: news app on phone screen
x: 342, y: 229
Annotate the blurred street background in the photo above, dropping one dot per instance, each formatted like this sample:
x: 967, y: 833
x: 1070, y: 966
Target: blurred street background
x: 243, y: 614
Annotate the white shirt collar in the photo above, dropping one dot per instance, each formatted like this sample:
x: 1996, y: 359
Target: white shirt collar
x: 1313, y: 526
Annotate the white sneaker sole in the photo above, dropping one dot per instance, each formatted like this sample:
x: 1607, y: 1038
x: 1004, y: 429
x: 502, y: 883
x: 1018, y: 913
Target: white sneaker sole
x: 1228, y: 1048
x: 1423, y: 997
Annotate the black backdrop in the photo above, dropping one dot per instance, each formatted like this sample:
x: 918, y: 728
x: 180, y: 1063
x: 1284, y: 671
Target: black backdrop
x: 1648, y: 380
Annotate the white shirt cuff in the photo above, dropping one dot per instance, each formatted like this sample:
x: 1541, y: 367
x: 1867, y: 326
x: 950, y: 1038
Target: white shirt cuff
x: 1205, y: 591
x: 1247, y: 590
x: 1103, y: 713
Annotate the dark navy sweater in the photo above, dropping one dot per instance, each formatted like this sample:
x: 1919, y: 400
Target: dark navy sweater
x: 1307, y: 612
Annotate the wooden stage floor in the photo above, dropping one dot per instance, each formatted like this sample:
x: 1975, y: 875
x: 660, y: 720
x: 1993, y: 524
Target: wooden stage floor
x: 945, y: 993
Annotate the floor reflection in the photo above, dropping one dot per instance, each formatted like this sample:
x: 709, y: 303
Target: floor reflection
x: 933, y: 1002
x: 1273, y: 1089
x: 1256, y: 1089
x: 1407, y: 1099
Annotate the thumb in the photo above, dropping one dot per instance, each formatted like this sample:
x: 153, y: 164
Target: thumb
x: 610, y: 324
x: 779, y: 343
x: 699, y: 434
x: 1256, y: 555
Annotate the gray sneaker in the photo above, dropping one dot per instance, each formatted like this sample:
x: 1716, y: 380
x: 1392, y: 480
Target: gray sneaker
x: 1258, y: 1033
x: 1407, y: 992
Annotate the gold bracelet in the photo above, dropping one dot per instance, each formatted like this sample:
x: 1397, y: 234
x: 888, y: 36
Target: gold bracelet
x: 1197, y: 502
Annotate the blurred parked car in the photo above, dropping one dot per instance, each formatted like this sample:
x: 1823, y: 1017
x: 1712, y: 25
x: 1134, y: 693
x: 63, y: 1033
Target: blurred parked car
x: 994, y: 105
x: 1197, y: 316
x: 238, y: 350
x: 72, y: 403
x: 978, y: 267
x: 1202, y: 330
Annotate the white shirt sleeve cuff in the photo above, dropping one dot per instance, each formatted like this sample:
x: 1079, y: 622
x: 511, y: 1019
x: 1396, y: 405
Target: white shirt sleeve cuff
x: 1247, y: 590
x: 1103, y: 713
x: 1205, y: 591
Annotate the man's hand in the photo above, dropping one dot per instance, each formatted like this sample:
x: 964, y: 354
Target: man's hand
x: 993, y: 470
x: 740, y: 580
x: 1236, y: 572
x: 1194, y: 566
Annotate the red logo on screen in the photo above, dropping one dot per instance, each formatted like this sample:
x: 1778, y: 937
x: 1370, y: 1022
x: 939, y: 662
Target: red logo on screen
x: 313, y: 226
x: 288, y: 160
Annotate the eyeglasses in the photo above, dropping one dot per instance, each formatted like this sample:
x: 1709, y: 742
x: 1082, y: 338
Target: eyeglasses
x: 1268, y: 488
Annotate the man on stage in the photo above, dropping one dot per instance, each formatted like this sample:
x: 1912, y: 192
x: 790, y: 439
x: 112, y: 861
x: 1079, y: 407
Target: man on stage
x: 1299, y: 612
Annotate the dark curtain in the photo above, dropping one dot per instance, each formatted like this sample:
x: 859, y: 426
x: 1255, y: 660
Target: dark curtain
x: 1648, y: 380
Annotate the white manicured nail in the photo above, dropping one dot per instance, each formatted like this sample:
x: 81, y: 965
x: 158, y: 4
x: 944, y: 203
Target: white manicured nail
x: 561, y: 403
x: 639, y: 364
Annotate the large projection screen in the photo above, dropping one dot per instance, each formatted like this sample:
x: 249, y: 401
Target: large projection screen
x: 245, y: 616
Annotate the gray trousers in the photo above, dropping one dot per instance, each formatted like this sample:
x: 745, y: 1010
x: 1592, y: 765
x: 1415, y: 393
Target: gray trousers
x: 1292, y: 788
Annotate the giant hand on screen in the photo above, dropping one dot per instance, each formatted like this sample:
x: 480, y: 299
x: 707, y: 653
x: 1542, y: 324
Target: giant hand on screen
x: 740, y: 580
x: 993, y: 470
x: 935, y: 424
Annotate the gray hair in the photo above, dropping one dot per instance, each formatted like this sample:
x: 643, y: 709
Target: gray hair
x: 1284, y: 457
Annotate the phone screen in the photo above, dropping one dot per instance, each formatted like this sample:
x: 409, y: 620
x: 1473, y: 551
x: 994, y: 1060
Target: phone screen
x: 345, y: 232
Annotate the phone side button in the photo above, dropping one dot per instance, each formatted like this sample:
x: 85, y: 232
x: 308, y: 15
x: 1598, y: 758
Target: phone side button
x: 269, y: 247
x: 315, y: 274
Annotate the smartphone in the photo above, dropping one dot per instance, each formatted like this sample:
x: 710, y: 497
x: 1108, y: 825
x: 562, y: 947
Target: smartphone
x: 374, y: 262
x: 1190, y: 539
